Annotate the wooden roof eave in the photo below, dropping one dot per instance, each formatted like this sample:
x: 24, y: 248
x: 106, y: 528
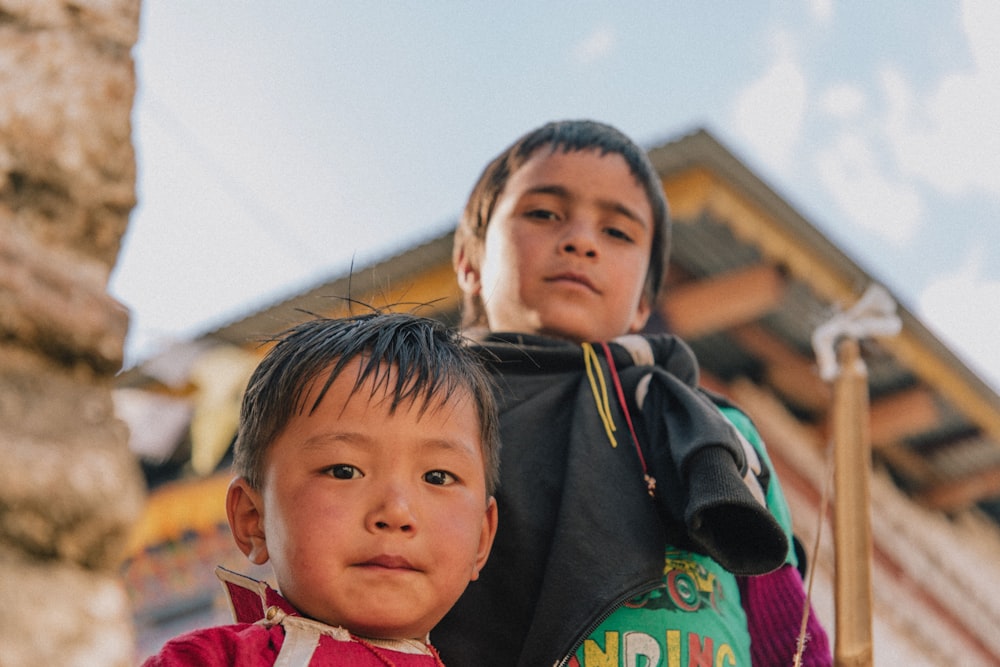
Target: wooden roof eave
x: 700, y: 176
x: 420, y: 279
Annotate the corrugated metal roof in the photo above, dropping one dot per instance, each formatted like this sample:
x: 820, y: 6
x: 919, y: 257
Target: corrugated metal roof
x: 949, y: 462
x: 955, y: 447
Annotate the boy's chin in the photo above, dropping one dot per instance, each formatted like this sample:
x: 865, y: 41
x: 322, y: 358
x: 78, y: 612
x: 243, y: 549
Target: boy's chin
x: 575, y: 334
x: 574, y: 325
x: 582, y: 329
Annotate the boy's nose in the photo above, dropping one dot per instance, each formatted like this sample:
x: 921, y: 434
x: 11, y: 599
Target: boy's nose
x: 392, y: 512
x: 579, y: 240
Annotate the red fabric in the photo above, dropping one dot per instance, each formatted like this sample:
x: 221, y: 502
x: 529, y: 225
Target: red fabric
x: 257, y: 646
x: 773, y: 603
x: 246, y: 603
x: 249, y: 605
x: 250, y: 598
x: 250, y: 645
x: 242, y: 644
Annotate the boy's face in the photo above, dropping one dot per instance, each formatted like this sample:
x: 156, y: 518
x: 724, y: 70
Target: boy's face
x: 371, y: 521
x: 567, y: 249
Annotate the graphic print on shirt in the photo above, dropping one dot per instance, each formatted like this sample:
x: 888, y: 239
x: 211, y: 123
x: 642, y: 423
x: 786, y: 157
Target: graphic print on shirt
x: 689, y: 585
x: 694, y: 619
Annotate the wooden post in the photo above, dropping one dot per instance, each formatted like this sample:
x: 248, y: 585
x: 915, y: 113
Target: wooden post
x: 852, y: 513
x: 838, y: 354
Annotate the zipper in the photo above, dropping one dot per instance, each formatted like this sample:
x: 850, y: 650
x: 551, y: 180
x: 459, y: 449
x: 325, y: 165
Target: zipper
x: 643, y: 589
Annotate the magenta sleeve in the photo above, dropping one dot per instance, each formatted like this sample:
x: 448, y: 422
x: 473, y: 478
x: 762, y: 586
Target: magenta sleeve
x: 773, y: 604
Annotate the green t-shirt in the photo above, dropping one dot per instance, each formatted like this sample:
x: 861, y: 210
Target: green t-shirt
x: 696, y: 617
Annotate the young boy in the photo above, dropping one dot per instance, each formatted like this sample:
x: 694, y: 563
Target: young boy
x: 638, y: 524
x: 366, y: 461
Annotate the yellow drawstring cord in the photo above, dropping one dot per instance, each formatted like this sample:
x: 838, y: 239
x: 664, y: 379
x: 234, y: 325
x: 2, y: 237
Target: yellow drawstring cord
x: 600, y: 390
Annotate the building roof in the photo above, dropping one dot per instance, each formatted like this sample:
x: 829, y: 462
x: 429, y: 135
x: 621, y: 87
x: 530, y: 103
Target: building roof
x: 935, y: 424
x: 769, y: 279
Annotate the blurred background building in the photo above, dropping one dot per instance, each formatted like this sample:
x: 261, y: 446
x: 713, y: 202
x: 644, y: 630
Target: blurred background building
x: 750, y: 281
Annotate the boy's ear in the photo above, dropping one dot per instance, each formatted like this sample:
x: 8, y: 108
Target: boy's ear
x: 489, y: 531
x: 641, y: 316
x: 245, y: 509
x: 468, y: 277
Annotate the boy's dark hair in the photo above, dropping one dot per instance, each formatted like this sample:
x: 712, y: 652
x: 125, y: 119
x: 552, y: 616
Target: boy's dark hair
x: 430, y: 361
x: 566, y: 136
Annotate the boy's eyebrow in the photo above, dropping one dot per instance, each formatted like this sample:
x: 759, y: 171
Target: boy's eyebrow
x: 320, y: 441
x: 607, y: 204
x: 464, y: 448
x: 357, y: 439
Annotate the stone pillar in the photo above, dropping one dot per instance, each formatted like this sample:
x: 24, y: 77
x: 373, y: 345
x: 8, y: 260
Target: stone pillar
x: 69, y: 488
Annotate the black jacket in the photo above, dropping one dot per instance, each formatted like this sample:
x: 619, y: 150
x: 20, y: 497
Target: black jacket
x: 579, y: 532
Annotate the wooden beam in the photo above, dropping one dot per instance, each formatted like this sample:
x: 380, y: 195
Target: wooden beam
x: 722, y: 301
x: 789, y: 372
x: 687, y: 192
x: 947, y: 380
x: 697, y: 191
x: 712, y: 382
x: 906, y: 413
x: 908, y: 463
x: 963, y: 492
x: 430, y: 291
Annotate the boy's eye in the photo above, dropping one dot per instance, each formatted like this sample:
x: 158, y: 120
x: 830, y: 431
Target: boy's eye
x: 614, y: 232
x: 542, y: 214
x: 439, y: 477
x: 344, y: 471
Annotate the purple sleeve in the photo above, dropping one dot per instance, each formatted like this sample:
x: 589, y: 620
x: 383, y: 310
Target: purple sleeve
x: 773, y: 603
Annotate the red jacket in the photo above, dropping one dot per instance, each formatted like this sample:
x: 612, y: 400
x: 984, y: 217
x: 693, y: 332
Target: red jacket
x: 268, y: 627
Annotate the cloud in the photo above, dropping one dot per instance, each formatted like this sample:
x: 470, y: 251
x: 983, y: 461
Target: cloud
x: 821, y: 10
x: 843, y: 101
x: 851, y: 173
x: 596, y: 46
x: 948, y: 139
x: 962, y: 304
x: 769, y: 112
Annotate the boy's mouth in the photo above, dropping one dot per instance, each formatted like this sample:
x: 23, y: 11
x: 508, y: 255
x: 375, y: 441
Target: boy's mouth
x: 572, y: 277
x: 388, y: 562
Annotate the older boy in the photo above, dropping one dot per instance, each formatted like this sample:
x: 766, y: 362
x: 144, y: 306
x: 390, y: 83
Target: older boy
x: 634, y: 514
x: 366, y: 459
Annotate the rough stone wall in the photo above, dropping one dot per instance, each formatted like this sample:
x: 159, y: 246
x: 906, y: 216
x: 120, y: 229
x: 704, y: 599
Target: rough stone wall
x: 69, y: 487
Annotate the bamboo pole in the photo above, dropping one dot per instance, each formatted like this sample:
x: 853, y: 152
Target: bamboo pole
x: 838, y: 354
x: 852, y: 514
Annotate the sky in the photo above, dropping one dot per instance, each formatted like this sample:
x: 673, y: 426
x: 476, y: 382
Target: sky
x: 277, y: 143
